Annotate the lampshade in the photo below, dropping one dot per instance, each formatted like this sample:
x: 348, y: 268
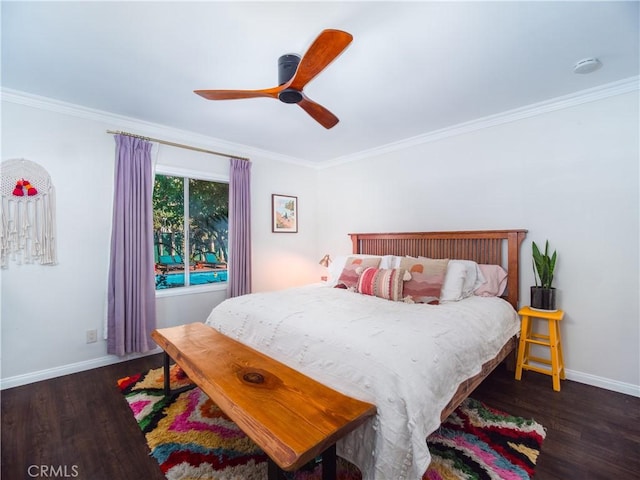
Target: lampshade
x: 325, y: 261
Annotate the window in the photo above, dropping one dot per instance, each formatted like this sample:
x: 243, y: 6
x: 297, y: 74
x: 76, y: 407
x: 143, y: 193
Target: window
x: 191, y: 231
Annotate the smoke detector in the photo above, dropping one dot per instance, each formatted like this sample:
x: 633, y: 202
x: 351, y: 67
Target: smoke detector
x: 587, y: 65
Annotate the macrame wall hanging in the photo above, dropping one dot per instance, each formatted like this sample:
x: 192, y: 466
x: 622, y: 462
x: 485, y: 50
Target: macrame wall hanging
x: 28, y: 214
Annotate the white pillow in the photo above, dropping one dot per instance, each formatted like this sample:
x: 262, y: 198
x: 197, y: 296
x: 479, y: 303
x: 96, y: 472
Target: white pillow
x: 388, y: 261
x: 453, y: 282
x: 462, y: 279
x: 393, y: 261
x: 474, y: 277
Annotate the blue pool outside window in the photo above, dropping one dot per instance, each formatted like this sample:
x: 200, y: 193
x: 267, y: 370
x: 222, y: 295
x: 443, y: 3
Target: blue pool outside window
x: 191, y: 231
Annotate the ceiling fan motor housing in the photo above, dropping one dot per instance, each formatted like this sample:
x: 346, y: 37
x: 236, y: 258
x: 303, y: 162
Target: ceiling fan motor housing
x: 287, y: 66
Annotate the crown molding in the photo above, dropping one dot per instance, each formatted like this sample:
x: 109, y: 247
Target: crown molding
x: 567, y: 101
x: 119, y: 122
x: 114, y: 121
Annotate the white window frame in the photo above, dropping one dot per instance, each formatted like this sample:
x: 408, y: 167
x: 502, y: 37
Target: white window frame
x: 196, y: 175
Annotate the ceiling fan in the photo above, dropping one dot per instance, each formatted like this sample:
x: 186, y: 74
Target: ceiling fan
x: 294, y: 72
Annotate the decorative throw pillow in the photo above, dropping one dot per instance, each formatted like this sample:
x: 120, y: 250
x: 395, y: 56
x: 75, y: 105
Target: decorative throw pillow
x: 337, y: 265
x: 352, y: 269
x: 383, y: 283
x: 427, y: 278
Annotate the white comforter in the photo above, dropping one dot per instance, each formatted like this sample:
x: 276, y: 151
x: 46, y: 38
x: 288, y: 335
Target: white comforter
x: 407, y: 359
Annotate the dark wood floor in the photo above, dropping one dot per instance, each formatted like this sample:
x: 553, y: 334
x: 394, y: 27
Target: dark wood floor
x: 80, y: 426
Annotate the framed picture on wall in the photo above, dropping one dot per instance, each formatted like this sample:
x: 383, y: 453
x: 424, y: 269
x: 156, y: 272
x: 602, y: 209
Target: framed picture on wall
x: 284, y: 213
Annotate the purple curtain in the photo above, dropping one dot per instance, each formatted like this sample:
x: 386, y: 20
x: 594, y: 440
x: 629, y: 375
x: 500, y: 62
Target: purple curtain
x: 131, y: 298
x: 240, y: 228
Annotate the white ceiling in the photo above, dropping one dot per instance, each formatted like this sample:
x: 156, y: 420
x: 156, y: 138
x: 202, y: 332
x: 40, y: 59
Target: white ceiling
x: 412, y: 68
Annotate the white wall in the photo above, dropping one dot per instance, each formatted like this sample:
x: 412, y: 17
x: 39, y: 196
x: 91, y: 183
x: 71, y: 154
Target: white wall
x: 283, y: 260
x: 46, y: 310
x: 570, y: 176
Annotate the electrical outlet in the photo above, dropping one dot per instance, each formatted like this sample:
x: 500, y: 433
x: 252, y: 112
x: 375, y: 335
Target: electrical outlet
x: 92, y: 336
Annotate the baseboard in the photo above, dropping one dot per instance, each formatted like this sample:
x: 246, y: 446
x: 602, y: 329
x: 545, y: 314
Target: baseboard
x: 601, y: 382
x: 54, y: 372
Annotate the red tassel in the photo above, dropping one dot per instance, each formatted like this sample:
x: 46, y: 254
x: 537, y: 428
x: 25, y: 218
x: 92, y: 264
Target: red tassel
x: 31, y: 190
x: 18, y: 192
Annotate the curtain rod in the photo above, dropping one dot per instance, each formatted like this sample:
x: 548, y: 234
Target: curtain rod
x: 179, y: 145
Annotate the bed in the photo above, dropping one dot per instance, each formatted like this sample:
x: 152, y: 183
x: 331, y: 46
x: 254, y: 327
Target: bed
x: 415, y: 361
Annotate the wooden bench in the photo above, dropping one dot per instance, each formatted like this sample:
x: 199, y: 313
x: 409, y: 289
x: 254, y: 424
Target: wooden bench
x: 291, y: 417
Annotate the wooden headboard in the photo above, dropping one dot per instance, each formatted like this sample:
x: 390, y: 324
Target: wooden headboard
x: 481, y: 246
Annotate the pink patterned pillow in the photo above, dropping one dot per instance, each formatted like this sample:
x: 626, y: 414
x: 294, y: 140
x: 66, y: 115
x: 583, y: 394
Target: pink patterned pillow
x: 352, y: 269
x: 383, y: 283
x: 427, y: 277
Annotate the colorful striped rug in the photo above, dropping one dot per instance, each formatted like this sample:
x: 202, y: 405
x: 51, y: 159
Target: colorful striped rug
x: 191, y: 438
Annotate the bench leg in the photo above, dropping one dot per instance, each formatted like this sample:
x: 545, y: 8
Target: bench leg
x: 167, y: 378
x: 274, y: 472
x: 329, y: 468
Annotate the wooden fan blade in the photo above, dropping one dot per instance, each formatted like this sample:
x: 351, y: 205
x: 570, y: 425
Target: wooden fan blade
x: 239, y: 94
x: 325, y: 49
x: 320, y: 114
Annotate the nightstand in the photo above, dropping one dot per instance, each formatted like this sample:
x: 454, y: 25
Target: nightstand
x: 551, y: 340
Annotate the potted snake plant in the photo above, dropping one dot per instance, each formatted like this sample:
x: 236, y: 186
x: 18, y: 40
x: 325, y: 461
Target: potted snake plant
x: 543, y: 294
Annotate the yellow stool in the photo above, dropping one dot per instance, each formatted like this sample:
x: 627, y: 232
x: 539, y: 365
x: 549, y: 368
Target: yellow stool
x: 552, y: 340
